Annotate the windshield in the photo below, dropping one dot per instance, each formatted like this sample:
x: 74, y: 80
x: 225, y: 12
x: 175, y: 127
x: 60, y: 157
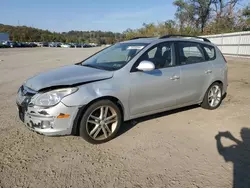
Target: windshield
x: 114, y: 57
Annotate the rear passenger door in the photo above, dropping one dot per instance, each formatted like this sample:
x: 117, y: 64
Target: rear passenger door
x: 196, y: 71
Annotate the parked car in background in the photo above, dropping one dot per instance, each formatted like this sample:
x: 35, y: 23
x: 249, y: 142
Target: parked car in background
x: 32, y: 44
x: 45, y: 44
x: 15, y: 45
x: 25, y: 44
x: 39, y: 44
x: 93, y: 44
x: 72, y: 45
x: 58, y: 44
x: 54, y: 44
x: 10, y: 44
x: 128, y: 80
x: 82, y: 45
x: 66, y: 46
x: 75, y: 45
x: 7, y: 44
x: 86, y: 46
x: 42, y: 44
x: 4, y: 45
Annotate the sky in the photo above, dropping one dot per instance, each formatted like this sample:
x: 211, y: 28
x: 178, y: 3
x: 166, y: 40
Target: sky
x: 105, y: 15
x: 66, y: 15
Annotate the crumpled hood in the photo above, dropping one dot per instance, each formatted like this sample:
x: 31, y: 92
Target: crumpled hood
x: 66, y: 76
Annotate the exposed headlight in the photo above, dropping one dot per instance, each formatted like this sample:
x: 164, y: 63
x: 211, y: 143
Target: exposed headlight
x: 52, y: 98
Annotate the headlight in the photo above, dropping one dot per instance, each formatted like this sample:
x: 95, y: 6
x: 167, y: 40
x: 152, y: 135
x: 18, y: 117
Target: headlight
x: 52, y: 98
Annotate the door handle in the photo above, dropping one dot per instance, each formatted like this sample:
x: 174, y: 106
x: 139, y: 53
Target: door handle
x: 175, y: 78
x: 208, y: 71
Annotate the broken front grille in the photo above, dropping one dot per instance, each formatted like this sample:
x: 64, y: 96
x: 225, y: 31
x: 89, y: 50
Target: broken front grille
x: 24, y: 96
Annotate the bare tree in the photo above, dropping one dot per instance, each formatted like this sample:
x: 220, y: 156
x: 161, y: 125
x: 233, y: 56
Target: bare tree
x: 195, y: 12
x: 221, y: 5
x: 184, y: 14
x: 203, y: 8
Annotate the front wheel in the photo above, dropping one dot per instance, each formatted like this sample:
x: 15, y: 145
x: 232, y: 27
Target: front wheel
x: 100, y: 122
x: 213, y: 97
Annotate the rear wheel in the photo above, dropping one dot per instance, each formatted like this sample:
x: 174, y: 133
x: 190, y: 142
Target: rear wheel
x: 100, y: 122
x: 213, y: 97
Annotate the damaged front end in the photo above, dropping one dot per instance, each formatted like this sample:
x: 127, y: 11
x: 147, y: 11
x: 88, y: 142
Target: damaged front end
x: 48, y: 120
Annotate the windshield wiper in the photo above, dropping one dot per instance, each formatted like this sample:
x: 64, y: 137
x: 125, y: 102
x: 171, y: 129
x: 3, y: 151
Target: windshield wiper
x: 99, y: 67
x: 92, y: 66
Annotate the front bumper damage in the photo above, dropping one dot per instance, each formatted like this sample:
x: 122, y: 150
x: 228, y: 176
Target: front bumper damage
x: 52, y: 121
x: 57, y: 120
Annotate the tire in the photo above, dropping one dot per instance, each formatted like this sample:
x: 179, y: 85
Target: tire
x: 207, y: 103
x: 92, y: 121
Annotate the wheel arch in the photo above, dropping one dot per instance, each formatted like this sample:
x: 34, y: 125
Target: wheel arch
x: 214, y: 81
x: 205, y: 102
x: 224, y: 93
x: 218, y: 81
x: 76, y: 124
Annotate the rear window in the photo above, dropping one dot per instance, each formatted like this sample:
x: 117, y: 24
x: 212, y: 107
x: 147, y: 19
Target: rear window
x: 210, y: 52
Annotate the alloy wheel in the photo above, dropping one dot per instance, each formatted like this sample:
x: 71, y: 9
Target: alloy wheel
x: 102, y: 122
x: 214, y: 96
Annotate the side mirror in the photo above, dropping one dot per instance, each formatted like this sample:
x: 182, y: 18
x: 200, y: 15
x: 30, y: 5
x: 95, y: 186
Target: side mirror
x: 146, y: 66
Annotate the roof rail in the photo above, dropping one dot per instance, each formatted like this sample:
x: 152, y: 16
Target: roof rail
x: 139, y: 38
x: 176, y: 35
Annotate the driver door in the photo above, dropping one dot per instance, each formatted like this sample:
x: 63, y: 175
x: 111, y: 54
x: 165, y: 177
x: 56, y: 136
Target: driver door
x: 153, y: 91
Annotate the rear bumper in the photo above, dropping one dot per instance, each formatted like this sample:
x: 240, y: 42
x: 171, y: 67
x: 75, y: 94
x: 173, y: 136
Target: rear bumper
x: 225, y: 84
x: 224, y: 91
x: 57, y: 120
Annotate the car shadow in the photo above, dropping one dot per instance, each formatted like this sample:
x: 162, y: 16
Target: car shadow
x: 132, y: 123
x: 238, y: 154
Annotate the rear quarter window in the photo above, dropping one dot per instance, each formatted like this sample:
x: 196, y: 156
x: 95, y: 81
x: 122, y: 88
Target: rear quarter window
x: 210, y: 51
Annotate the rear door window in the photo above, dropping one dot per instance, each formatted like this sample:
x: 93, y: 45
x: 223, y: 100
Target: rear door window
x: 190, y: 52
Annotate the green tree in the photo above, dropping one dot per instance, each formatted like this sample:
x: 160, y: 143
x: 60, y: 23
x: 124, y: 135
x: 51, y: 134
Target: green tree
x: 246, y: 15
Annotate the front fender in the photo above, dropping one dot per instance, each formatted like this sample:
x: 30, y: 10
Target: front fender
x: 91, y: 91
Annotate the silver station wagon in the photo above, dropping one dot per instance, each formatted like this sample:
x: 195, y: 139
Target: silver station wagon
x: 127, y: 80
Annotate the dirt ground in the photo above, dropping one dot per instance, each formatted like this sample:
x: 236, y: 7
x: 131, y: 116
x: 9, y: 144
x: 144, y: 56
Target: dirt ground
x: 171, y: 149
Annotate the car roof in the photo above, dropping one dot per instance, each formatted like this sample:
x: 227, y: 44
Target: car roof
x: 141, y: 40
x: 156, y: 40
